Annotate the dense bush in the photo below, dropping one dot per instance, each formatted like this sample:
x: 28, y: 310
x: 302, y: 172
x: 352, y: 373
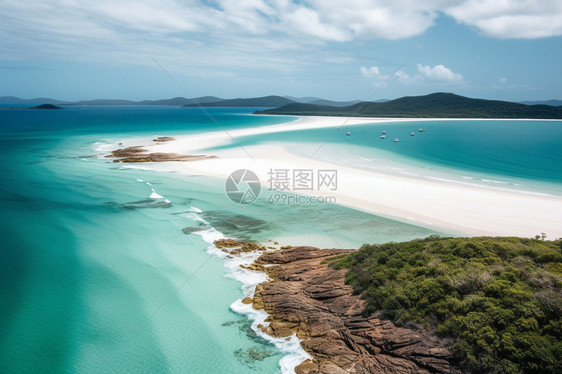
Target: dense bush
x: 500, y: 298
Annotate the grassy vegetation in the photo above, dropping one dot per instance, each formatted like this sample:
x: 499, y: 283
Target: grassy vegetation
x: 499, y: 298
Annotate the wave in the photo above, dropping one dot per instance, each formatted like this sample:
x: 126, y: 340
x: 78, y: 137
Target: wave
x: 155, y: 200
x: 154, y: 195
x: 104, y: 147
x: 195, y: 217
x: 290, y: 346
x: 137, y: 167
x: 210, y: 235
x: 294, y: 354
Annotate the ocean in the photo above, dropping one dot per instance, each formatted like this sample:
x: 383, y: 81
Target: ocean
x: 523, y: 155
x: 102, y: 268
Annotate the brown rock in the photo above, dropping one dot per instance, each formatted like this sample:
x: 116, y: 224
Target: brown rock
x: 258, y: 300
x: 307, y: 367
x: 311, y: 299
x: 162, y: 157
x: 139, y: 154
x: 127, y: 152
x: 162, y: 139
x: 235, y: 247
x: 254, y: 267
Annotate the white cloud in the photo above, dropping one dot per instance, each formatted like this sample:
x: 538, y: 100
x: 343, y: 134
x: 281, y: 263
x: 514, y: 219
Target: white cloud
x: 440, y: 73
x: 437, y: 73
x: 525, y: 19
x: 370, y: 19
x: 373, y: 74
x: 402, y: 76
x: 323, y: 20
x: 263, y: 34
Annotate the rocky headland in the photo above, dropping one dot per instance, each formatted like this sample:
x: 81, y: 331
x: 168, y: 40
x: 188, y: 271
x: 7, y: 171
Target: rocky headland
x: 307, y: 297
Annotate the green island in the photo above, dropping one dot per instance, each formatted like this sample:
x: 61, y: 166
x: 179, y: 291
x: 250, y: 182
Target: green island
x: 500, y: 299
x: 435, y: 105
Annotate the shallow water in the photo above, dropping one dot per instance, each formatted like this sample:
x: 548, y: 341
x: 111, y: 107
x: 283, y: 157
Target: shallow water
x: 106, y: 269
x: 516, y: 154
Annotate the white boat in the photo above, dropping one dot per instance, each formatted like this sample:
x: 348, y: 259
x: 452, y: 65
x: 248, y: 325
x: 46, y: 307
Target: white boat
x: 396, y: 140
x: 420, y: 130
x: 383, y: 136
x: 412, y: 134
x: 348, y: 133
x: 383, y: 132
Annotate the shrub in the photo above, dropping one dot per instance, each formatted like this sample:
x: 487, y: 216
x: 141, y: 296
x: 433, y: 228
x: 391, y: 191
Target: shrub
x: 499, y: 298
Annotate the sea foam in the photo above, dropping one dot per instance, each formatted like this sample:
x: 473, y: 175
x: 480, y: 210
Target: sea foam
x: 290, y: 346
x: 154, y: 195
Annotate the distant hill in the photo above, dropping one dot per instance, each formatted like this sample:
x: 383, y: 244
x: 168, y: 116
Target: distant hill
x: 306, y: 99
x: 320, y: 101
x: 547, y: 102
x: 334, y: 103
x: 437, y: 105
x: 263, y: 102
x: 176, y: 101
x: 104, y: 102
x: 39, y: 100
x: 180, y: 101
x: 445, y: 105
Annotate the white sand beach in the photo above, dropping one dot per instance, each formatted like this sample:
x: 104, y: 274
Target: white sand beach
x: 455, y: 208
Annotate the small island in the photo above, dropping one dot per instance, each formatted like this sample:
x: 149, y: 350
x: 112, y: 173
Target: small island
x: 45, y: 107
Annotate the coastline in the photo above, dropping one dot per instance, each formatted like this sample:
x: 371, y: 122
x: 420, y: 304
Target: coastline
x: 306, y: 297
x: 422, y: 202
x: 238, y: 264
x: 429, y: 203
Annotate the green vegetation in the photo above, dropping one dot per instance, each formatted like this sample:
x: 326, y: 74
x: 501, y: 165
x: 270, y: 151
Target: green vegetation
x: 441, y: 105
x: 499, y: 298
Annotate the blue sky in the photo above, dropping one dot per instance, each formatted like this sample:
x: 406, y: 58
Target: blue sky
x: 76, y: 49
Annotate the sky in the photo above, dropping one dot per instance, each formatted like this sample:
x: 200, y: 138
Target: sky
x: 334, y: 49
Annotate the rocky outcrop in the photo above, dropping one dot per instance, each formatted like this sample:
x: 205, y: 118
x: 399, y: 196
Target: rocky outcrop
x: 140, y: 154
x: 308, y: 297
x: 163, y: 139
x: 235, y: 247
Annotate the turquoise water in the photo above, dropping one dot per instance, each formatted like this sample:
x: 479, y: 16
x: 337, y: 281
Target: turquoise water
x: 522, y: 154
x: 96, y: 274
